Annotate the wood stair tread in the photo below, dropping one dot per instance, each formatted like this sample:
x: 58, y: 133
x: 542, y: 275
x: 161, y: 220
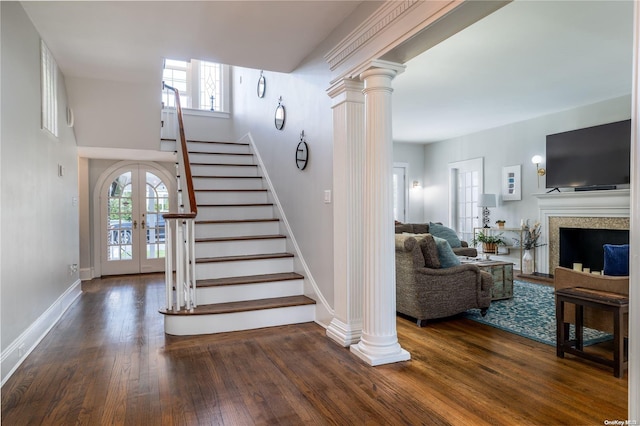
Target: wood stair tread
x: 223, y: 164
x: 243, y: 257
x: 237, y: 205
x: 230, y: 190
x: 249, y: 279
x: 234, y: 221
x: 244, y: 306
x: 241, y: 238
x: 226, y: 177
x: 217, y: 142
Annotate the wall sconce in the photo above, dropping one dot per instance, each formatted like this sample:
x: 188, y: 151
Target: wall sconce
x: 485, y: 201
x: 415, y: 184
x: 537, y: 159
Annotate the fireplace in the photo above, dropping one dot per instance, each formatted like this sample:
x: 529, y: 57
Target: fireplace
x: 584, y: 210
x: 584, y: 246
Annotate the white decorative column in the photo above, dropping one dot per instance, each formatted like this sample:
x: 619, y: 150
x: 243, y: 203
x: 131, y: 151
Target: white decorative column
x: 379, y: 342
x: 348, y: 180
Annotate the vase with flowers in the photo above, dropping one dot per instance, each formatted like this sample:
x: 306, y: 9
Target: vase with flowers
x: 530, y: 240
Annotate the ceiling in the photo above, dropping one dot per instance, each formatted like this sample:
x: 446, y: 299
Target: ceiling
x: 126, y: 40
x: 528, y: 59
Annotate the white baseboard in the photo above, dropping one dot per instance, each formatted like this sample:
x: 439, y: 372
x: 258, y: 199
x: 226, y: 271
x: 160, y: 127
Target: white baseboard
x: 86, y: 274
x: 20, y: 348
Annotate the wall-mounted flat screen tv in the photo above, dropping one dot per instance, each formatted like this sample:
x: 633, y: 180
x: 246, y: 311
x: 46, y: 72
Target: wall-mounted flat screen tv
x: 590, y: 158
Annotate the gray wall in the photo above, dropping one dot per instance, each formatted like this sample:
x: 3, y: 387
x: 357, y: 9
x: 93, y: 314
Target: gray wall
x: 413, y: 155
x: 510, y: 145
x: 39, y: 215
x: 308, y: 108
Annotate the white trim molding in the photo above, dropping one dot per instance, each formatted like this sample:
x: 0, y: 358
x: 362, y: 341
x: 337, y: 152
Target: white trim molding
x: 613, y: 203
x: 15, y: 354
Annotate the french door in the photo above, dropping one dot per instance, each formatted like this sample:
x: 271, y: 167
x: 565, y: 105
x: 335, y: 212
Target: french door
x: 133, y: 200
x: 465, y: 186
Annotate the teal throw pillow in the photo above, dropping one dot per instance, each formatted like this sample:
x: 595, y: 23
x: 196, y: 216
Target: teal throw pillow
x: 445, y: 253
x: 441, y: 231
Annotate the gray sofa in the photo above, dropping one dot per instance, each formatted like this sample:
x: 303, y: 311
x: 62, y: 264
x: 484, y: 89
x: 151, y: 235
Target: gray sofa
x: 426, y: 293
x: 423, y: 228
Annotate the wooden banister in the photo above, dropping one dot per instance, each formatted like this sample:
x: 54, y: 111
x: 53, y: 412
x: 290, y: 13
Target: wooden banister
x: 188, y: 178
x: 180, y: 229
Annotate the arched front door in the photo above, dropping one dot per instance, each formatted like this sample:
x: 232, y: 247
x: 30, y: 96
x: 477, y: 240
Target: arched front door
x: 132, y: 201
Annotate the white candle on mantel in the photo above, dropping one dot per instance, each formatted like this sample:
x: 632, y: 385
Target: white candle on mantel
x: 586, y: 270
x: 595, y: 272
x: 577, y: 266
x: 521, y: 223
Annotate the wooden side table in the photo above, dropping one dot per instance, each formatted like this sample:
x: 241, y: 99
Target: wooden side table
x: 617, y: 304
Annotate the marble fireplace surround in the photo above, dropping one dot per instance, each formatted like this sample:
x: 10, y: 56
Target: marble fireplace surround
x: 581, y: 209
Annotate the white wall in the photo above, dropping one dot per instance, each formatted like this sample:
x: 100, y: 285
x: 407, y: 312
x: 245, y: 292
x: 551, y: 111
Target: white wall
x: 199, y: 125
x: 114, y: 114
x: 510, y: 145
x: 413, y: 154
x: 39, y: 209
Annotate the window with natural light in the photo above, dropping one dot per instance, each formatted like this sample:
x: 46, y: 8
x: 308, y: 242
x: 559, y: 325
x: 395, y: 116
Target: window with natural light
x: 202, y: 85
x: 49, y: 75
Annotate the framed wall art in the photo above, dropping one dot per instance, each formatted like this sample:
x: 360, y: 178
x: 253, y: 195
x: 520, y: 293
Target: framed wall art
x: 511, y: 183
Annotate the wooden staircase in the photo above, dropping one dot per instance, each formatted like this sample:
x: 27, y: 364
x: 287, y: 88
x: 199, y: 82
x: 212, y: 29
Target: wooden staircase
x: 244, y: 274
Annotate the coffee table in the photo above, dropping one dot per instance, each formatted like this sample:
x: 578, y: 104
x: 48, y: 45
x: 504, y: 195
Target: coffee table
x: 502, y: 273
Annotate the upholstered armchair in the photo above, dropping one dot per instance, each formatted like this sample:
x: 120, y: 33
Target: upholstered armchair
x: 425, y: 293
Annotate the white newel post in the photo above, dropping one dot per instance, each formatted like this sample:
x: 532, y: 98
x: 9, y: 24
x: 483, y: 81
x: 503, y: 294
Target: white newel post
x: 348, y: 180
x: 379, y: 342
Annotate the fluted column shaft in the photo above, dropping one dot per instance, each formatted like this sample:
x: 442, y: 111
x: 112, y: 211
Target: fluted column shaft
x: 379, y: 342
x: 348, y: 181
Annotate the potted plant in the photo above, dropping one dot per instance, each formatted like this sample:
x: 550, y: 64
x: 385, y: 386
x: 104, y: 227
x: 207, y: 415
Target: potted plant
x: 489, y: 242
x: 500, y: 223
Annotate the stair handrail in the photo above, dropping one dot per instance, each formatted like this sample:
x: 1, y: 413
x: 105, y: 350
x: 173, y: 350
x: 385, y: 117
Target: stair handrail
x: 184, y: 224
x: 183, y: 160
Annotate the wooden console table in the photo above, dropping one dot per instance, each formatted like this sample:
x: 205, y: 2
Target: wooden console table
x: 616, y: 303
x: 495, y: 231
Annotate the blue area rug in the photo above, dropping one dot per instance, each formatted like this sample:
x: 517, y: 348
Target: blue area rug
x: 531, y: 314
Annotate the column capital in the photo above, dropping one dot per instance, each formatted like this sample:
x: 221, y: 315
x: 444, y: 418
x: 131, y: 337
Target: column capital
x: 378, y: 66
x: 346, y: 90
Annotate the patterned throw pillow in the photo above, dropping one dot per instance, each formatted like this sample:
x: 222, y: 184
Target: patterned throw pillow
x: 448, y: 234
x: 430, y: 252
x: 445, y: 253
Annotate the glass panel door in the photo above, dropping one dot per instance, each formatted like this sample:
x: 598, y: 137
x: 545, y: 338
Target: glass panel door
x: 133, y: 226
x: 155, y: 203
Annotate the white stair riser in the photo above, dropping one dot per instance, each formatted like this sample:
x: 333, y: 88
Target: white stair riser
x: 239, y: 248
x: 229, y: 183
x: 235, y: 213
x: 211, y: 230
x: 219, y: 147
x: 231, y: 197
x: 217, y: 170
x: 243, y: 267
x: 182, y: 325
x: 196, y: 157
x: 256, y: 291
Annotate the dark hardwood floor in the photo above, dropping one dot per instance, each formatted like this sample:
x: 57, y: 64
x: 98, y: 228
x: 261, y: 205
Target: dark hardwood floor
x: 108, y: 361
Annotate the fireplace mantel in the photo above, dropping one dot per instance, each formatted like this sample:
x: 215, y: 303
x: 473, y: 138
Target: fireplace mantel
x: 586, y: 204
